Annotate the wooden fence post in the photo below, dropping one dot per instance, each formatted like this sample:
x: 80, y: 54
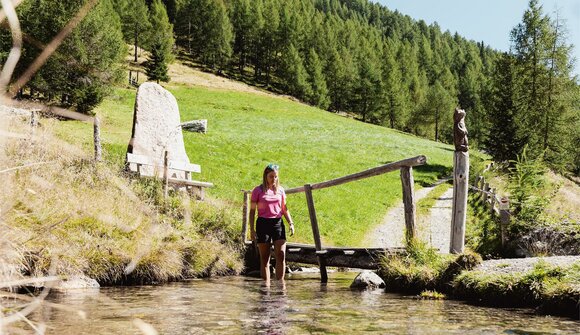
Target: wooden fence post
x: 459, y: 211
x: 485, y: 193
x: 33, y: 119
x: 492, y: 200
x: 165, y: 173
x: 477, y: 182
x: 245, y: 218
x: 409, y: 202
x: 97, y: 139
x: 504, y: 218
x: 316, y: 233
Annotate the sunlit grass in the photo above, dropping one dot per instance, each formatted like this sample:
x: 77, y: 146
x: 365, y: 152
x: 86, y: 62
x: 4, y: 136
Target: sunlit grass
x: 246, y: 131
x: 552, y: 288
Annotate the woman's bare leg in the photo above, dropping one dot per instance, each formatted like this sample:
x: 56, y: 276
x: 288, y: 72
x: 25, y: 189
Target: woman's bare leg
x: 265, y: 260
x: 280, y: 253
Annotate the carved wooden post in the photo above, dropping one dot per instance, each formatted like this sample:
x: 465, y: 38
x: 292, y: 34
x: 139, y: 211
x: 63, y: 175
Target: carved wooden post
x: 165, y: 173
x: 460, y: 180
x: 316, y: 233
x: 97, y: 139
x: 409, y: 202
x: 245, y: 218
x: 504, y: 218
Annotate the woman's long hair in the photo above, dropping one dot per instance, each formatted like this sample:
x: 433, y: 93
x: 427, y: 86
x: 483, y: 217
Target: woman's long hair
x: 268, y: 169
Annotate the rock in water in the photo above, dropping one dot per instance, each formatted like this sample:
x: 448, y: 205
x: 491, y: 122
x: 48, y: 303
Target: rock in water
x: 367, y: 279
x: 156, y: 128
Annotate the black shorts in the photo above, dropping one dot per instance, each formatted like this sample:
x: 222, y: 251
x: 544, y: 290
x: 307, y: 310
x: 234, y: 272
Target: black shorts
x: 270, y: 230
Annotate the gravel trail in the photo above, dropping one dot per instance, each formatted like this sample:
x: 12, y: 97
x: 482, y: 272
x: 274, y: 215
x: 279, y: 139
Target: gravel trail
x: 511, y: 265
x: 390, y: 234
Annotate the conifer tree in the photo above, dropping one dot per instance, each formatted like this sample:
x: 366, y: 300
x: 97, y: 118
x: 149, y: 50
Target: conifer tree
x: 504, y: 137
x: 86, y: 63
x: 269, y: 41
x: 395, y: 116
x: 156, y: 66
x: 545, y: 91
x: 135, y: 21
x: 368, y: 91
x: 295, y: 74
x: 161, y: 41
x: 242, y: 24
x: 206, y: 32
x: 319, y: 93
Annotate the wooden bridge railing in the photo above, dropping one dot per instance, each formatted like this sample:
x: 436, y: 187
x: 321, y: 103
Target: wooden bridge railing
x: 406, y: 168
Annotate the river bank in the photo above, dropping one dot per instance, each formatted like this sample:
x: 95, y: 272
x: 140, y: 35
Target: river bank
x: 550, y: 285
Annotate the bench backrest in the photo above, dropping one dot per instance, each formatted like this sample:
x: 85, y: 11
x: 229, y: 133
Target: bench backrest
x: 137, y: 161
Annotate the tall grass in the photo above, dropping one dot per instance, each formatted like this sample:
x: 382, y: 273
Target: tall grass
x: 79, y: 217
x: 422, y: 268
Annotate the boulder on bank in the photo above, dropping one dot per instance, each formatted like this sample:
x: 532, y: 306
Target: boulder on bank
x: 367, y: 280
x: 76, y: 282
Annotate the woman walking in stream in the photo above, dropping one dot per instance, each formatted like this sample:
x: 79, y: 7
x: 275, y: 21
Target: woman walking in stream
x: 270, y: 201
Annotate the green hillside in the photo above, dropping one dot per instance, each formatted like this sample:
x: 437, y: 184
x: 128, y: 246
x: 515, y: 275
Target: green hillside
x: 246, y: 131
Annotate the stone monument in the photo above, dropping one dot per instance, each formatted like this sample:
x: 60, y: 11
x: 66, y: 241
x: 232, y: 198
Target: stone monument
x: 156, y: 129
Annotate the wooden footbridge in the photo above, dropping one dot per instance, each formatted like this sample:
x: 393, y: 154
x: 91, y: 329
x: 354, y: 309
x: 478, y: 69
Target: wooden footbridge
x: 364, y: 258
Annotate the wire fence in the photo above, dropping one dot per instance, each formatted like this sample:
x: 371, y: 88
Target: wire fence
x: 498, y: 206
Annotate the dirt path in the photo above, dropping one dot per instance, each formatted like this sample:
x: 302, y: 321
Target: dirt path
x: 390, y: 234
x: 439, y: 230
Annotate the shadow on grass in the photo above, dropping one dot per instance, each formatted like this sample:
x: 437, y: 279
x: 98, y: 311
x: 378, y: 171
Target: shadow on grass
x: 428, y: 174
x: 273, y: 85
x: 437, y: 170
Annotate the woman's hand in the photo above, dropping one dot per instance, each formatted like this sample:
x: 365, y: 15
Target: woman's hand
x: 291, y: 228
x: 252, y: 235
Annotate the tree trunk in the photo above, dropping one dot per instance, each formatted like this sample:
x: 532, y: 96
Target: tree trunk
x: 136, y: 42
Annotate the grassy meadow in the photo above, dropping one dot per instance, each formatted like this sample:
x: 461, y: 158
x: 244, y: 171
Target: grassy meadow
x: 246, y: 131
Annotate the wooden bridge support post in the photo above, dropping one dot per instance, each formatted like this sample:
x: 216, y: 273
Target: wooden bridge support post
x: 245, y: 218
x: 316, y: 233
x: 504, y: 219
x: 459, y: 212
x: 409, y: 202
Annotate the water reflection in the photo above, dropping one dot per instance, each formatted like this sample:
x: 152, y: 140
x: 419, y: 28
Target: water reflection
x: 269, y: 314
x: 238, y: 305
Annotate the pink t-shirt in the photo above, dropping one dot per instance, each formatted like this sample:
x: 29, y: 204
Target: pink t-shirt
x: 270, y: 204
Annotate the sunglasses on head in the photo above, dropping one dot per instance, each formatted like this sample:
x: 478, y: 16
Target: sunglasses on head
x: 273, y: 167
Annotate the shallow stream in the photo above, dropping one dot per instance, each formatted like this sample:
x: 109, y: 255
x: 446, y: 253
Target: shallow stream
x: 241, y: 305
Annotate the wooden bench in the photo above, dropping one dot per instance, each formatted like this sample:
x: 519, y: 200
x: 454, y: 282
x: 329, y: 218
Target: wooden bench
x: 146, y: 166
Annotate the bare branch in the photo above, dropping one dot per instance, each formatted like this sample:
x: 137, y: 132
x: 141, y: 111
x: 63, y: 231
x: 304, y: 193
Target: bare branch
x: 24, y: 166
x: 3, y: 15
x: 14, y: 55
